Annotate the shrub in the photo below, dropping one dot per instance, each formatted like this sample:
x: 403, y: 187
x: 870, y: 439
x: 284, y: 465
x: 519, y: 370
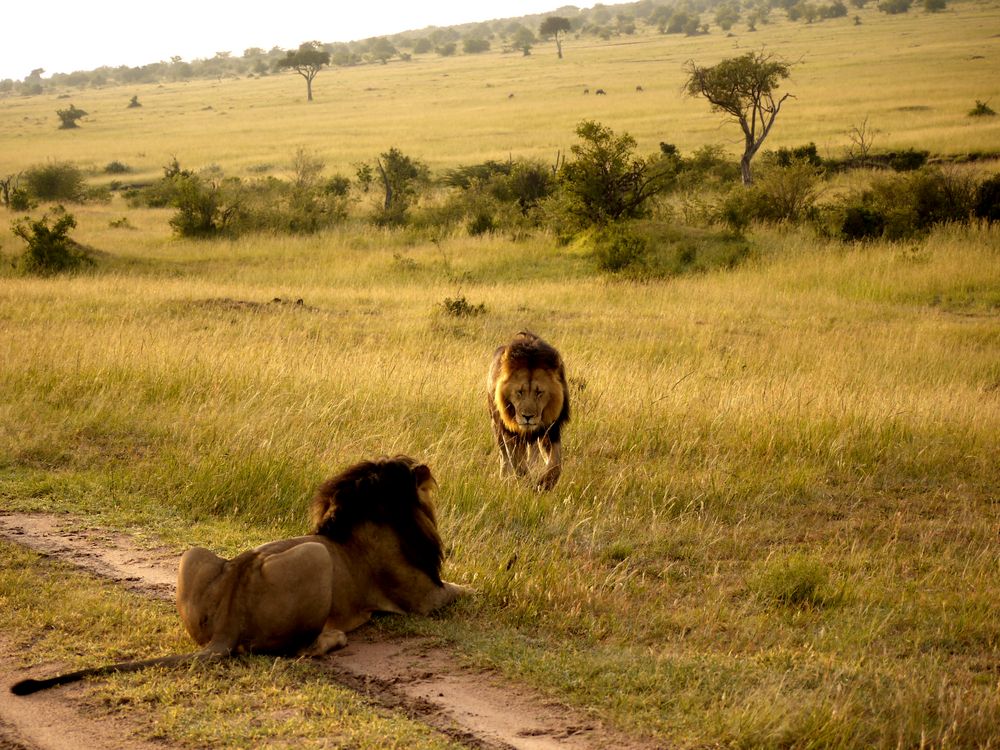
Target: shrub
x: 460, y: 307
x: 199, y: 207
x: 616, y: 248
x: 606, y: 182
x: 50, y: 249
x: 893, y: 7
x: 905, y: 205
x: 780, y: 193
x: 55, y: 181
x: 785, y: 157
x: 982, y: 109
x: 117, y: 167
x: 987, y: 205
x: 652, y: 249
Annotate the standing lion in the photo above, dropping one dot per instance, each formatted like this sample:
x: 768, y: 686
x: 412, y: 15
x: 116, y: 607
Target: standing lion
x: 529, y: 403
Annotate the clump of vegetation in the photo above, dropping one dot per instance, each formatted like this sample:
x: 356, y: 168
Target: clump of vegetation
x: 209, y: 206
x: 50, y: 250
x: 982, y: 109
x: 402, y: 179
x: 68, y: 117
x: 780, y: 194
x: 55, y: 181
x: 117, y: 167
x: 798, y: 582
x: 607, y: 182
x: 460, y: 307
x: 905, y: 205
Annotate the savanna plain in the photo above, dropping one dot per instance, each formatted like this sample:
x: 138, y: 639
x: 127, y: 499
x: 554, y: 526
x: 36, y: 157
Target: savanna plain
x: 777, y: 524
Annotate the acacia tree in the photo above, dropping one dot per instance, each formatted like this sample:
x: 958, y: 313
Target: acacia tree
x: 554, y: 26
x: 307, y: 61
x: 744, y: 88
x: 68, y: 117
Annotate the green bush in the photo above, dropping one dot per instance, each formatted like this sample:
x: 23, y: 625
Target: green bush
x: 199, y: 204
x: 55, y: 181
x: 780, y: 193
x: 617, y: 248
x: 50, y: 250
x: 655, y: 249
x: 905, y: 205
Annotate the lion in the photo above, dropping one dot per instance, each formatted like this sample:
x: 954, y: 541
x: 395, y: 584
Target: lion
x: 374, y: 548
x: 529, y: 404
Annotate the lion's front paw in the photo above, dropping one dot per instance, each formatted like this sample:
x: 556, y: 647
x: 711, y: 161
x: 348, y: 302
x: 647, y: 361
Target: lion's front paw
x: 327, y: 641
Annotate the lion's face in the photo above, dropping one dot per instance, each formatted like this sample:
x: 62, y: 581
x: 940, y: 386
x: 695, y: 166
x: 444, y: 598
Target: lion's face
x: 529, y: 400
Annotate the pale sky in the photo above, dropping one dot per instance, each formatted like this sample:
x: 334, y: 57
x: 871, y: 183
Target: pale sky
x: 63, y: 36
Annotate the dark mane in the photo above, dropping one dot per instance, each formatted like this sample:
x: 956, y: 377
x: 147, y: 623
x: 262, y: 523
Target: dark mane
x: 382, y: 492
x: 530, y: 352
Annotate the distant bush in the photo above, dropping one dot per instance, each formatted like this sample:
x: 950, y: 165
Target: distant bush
x: 55, y: 181
x: 710, y: 165
x: 50, y: 249
x: 785, y: 157
x: 905, y: 205
x: 934, y: 6
x: 68, y: 117
x: 460, y: 307
x: 893, y: 7
x: 475, y: 46
x: 982, y: 109
x: 117, y: 167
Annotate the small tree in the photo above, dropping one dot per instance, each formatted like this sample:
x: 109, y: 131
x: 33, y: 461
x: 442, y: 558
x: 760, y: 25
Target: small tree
x: 606, y: 181
x: 68, y: 117
x: 555, y: 26
x: 307, y: 61
x: 50, y: 249
x: 744, y: 88
x: 401, y: 176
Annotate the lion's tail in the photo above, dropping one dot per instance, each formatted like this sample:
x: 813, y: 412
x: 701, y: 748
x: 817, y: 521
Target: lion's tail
x: 29, y: 686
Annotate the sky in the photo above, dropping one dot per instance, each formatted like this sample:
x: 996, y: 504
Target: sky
x: 63, y: 36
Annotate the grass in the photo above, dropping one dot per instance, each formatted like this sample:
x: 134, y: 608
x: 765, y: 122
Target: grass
x: 777, y: 520
x: 776, y: 523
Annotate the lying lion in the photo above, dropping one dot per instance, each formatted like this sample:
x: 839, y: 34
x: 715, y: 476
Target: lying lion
x: 375, y: 548
x: 529, y: 404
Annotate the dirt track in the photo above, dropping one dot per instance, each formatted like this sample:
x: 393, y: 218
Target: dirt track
x: 411, y: 676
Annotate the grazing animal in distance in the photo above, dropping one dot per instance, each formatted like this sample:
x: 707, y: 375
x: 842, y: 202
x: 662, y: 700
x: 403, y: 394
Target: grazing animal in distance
x: 374, y: 548
x: 529, y: 403
x: 600, y: 92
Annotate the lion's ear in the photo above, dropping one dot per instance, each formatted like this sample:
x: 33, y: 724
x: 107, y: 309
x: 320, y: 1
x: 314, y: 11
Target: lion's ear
x: 422, y: 475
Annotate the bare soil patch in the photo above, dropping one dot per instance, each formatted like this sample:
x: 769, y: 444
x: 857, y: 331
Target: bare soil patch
x: 474, y: 707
